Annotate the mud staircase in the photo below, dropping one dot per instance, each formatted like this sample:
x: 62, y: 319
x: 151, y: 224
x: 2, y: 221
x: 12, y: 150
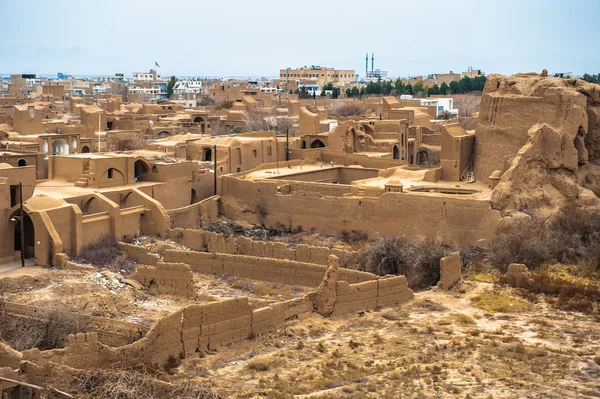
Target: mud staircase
x: 467, y: 174
x: 84, y: 178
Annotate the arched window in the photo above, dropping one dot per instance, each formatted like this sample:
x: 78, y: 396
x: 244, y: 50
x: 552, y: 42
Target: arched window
x: 254, y: 153
x: 110, y: 173
x: 154, y: 169
x: 74, y: 144
x: 22, y: 162
x: 85, y: 148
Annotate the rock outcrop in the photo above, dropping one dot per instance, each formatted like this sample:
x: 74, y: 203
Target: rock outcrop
x: 543, y: 133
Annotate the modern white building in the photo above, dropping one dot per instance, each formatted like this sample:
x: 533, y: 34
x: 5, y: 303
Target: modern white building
x: 151, y: 76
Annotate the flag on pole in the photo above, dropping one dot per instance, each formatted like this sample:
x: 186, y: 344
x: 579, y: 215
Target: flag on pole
x: 156, y: 63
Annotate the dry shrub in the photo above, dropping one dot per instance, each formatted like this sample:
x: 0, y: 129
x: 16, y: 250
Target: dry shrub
x: 134, y: 385
x: 27, y: 333
x: 106, y: 253
x: 498, y: 301
x: 261, y: 364
x: 344, y: 109
x: 570, y: 236
x: 418, y: 260
x: 353, y: 237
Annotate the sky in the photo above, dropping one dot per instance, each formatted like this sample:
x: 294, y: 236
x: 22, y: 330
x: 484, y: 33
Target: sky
x: 260, y: 37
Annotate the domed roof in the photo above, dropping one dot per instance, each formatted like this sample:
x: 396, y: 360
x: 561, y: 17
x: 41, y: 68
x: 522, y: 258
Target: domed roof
x: 41, y: 202
x: 5, y: 166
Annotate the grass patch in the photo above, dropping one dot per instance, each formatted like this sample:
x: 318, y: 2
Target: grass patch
x: 498, y: 301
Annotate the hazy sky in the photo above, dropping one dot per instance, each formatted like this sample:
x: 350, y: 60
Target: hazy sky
x: 258, y: 37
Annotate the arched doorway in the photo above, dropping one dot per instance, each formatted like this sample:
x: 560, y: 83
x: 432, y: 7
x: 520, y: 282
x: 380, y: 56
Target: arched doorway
x: 29, y: 235
x: 163, y: 135
x: 85, y: 149
x: 207, y: 155
x: 22, y: 162
x: 140, y: 170
x: 194, y: 198
x: 411, y: 155
x: 317, y: 144
x: 396, y: 153
x: 60, y: 147
x: 200, y: 121
x: 304, y: 144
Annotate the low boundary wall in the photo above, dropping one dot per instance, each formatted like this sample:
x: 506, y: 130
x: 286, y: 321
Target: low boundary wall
x: 207, y: 241
x: 264, y: 269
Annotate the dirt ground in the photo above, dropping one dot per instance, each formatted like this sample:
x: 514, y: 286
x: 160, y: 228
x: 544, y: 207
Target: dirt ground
x: 440, y: 345
x: 95, y: 294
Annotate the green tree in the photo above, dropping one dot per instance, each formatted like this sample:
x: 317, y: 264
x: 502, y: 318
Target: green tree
x: 348, y: 93
x: 323, y: 93
x: 466, y: 85
x: 478, y: 83
x: 388, y: 87
x: 355, y: 91
x: 418, y: 87
x: 444, y: 88
x: 454, y: 87
x: 362, y: 92
x: 433, y: 90
x: 399, y: 87
x: 408, y: 89
x: 171, y: 86
x: 591, y: 78
x: 335, y: 93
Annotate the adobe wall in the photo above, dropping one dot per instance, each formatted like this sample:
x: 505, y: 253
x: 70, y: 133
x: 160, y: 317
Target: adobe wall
x: 139, y: 254
x: 346, y: 159
x: 258, y: 268
x: 450, y: 271
x: 453, y: 217
x: 192, y: 216
x: 110, y: 332
x: 369, y: 295
x: 200, y: 328
x: 168, y: 278
x: 206, y: 241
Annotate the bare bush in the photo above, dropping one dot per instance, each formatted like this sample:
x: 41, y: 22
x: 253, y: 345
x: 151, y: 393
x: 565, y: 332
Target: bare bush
x: 344, y: 109
x: 135, y: 385
x: 106, y: 253
x: 60, y: 325
x: 571, y: 236
x: 418, y: 260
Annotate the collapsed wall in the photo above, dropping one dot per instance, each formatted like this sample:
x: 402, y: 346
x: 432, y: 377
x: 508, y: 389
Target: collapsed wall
x: 205, y: 327
x: 206, y: 241
x: 543, y: 136
x: 263, y: 269
x: 167, y: 278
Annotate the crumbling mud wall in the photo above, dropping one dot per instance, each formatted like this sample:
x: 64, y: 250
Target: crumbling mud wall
x: 167, y: 278
x: 450, y: 271
x: 193, y: 216
x: 201, y: 328
x: 206, y: 241
x: 371, y: 294
x: 108, y: 331
x: 543, y: 136
x: 263, y: 269
x: 452, y: 217
x: 139, y: 254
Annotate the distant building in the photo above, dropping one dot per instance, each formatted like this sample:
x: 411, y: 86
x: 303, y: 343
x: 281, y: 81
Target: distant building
x: 473, y: 73
x: 151, y: 76
x: 318, y: 75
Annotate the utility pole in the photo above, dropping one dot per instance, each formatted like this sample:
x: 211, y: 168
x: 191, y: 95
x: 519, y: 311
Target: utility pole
x: 287, y: 143
x: 277, y: 152
x: 215, y: 167
x: 22, y: 221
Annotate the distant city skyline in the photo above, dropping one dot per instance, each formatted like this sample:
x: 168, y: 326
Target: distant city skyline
x: 258, y: 38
